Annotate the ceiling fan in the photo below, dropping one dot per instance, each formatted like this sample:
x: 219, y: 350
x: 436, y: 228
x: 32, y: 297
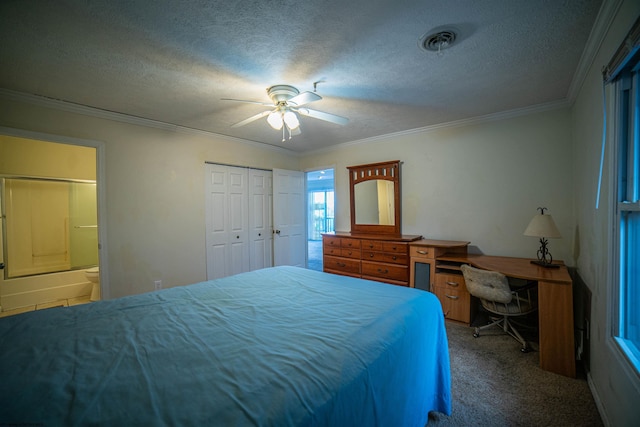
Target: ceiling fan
x: 288, y: 101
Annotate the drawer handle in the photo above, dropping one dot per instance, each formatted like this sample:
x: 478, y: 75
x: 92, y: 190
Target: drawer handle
x: 371, y: 255
x: 454, y: 284
x: 370, y: 246
x: 385, y: 271
x: 341, y: 264
x: 395, y: 258
x: 422, y: 252
x: 452, y: 296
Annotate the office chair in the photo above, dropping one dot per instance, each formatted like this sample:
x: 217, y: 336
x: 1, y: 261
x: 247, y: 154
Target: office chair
x: 493, y: 291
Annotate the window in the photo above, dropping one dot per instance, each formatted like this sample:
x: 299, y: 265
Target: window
x: 627, y: 210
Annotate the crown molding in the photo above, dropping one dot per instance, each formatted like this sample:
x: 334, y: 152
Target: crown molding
x: 70, y: 107
x: 601, y: 26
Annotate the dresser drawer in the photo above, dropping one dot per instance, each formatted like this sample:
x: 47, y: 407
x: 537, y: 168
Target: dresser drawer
x: 422, y: 252
x: 372, y: 245
x: 330, y: 241
x: 396, y: 258
x: 331, y: 250
x: 350, y: 253
x: 395, y: 247
x: 372, y: 256
x: 389, y: 271
x: 342, y: 264
x: 350, y: 243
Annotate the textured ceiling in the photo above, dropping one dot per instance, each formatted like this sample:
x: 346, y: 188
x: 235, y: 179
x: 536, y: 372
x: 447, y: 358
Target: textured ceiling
x: 173, y: 61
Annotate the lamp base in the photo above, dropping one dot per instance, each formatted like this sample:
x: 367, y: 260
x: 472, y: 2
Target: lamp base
x: 545, y: 264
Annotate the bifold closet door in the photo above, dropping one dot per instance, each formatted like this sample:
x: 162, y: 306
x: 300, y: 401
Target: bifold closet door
x: 239, y: 219
x: 227, y: 220
x: 260, y: 219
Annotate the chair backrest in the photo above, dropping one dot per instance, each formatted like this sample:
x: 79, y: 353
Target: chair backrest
x: 487, y: 285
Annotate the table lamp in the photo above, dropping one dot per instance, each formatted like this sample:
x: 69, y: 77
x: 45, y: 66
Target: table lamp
x: 542, y: 226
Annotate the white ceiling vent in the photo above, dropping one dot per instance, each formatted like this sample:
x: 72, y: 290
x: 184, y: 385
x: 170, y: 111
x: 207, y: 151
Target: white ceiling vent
x: 437, y: 41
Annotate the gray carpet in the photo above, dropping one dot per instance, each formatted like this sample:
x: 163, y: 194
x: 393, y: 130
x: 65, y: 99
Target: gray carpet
x: 494, y: 384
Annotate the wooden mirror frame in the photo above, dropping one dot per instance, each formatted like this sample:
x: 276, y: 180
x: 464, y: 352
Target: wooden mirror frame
x: 388, y: 171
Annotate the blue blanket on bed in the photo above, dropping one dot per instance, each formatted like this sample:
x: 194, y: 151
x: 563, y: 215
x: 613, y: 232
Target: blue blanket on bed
x: 281, y: 346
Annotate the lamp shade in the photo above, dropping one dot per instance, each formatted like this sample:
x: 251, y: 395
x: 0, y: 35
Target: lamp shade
x: 291, y: 120
x: 275, y: 120
x: 542, y: 226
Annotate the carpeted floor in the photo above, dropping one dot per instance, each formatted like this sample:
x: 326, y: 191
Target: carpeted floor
x: 494, y: 384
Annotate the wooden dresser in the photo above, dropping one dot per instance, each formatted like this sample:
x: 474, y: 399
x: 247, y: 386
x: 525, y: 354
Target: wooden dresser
x: 380, y: 257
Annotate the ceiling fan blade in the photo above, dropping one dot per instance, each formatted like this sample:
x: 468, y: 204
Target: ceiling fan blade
x: 268, y: 104
x: 252, y: 119
x: 327, y: 117
x: 304, y: 98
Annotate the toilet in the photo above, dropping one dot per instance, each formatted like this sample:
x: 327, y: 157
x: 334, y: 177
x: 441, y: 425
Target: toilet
x: 93, y: 275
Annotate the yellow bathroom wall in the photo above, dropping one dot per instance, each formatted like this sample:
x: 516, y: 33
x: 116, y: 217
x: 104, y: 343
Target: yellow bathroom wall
x: 27, y: 157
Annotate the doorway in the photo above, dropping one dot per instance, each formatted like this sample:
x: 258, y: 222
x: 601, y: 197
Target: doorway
x: 52, y: 160
x: 320, y: 213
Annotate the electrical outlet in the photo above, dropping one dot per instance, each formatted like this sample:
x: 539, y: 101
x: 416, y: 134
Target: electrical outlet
x: 157, y: 284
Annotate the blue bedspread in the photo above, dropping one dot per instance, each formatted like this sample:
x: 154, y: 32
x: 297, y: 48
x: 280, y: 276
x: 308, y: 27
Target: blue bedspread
x: 275, y: 347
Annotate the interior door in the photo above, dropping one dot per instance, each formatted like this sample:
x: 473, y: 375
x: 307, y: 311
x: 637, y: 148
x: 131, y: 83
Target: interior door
x: 227, y: 220
x: 260, y: 218
x: 289, y: 218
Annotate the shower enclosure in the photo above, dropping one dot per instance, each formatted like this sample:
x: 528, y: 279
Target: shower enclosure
x: 50, y: 225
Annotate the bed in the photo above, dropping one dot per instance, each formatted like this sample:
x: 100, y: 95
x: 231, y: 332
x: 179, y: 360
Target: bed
x: 274, y: 347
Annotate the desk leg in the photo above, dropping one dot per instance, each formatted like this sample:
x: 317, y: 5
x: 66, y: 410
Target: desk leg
x: 555, y: 312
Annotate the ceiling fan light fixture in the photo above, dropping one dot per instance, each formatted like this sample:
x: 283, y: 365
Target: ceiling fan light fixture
x: 291, y: 119
x: 275, y: 120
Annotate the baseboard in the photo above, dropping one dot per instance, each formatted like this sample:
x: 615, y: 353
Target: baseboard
x: 596, y: 398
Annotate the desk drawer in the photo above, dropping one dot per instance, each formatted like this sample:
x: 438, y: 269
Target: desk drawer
x: 455, y: 303
x: 389, y: 271
x: 451, y: 281
x: 422, y: 252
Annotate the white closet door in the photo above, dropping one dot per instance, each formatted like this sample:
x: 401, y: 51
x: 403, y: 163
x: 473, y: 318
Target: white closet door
x: 260, y: 218
x: 289, y: 218
x: 227, y: 220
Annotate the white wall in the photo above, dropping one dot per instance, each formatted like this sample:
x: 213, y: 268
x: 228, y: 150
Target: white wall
x: 479, y: 182
x: 155, y: 211
x: 615, y: 385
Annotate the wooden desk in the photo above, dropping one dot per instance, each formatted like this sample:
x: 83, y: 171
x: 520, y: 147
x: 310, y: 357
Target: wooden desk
x: 555, y: 305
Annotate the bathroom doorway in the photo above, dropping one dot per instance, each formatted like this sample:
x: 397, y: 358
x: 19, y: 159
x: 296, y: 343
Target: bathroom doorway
x: 53, y: 184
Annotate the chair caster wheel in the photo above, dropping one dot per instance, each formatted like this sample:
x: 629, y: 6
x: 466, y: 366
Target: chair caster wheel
x: 525, y: 349
x: 476, y: 335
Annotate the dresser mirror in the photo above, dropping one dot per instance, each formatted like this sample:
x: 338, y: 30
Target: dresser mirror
x: 375, y: 198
